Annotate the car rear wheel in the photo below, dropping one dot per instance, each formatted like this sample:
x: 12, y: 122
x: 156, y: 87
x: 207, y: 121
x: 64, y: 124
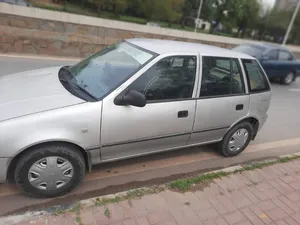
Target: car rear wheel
x: 50, y: 170
x: 288, y: 78
x: 236, y: 140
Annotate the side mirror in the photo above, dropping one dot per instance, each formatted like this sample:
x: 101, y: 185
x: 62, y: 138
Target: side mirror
x: 133, y: 98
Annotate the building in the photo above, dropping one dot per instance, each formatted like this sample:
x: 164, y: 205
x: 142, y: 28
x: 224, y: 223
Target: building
x: 287, y: 5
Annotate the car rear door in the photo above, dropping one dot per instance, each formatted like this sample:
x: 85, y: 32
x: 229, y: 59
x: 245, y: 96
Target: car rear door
x: 222, y: 99
x: 167, y: 119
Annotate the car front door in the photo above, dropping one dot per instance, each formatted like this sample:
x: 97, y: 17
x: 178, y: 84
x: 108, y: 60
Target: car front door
x: 269, y: 62
x: 165, y: 123
x: 222, y: 100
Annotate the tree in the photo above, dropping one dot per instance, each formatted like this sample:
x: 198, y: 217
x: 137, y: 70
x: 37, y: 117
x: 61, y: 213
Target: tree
x: 248, y: 16
x: 225, y: 10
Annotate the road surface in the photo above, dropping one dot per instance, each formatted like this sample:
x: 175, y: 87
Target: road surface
x: 280, y: 135
x: 284, y: 113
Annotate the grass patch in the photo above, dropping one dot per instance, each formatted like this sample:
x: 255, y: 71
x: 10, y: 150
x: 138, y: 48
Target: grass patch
x: 107, y: 212
x: 185, y: 184
x: 129, y: 195
x: 77, y: 210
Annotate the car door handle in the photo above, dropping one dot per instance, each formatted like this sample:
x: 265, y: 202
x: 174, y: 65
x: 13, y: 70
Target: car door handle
x: 182, y: 114
x: 239, y: 107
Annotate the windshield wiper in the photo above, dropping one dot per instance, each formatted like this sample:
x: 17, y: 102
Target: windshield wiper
x: 71, y: 81
x: 75, y: 85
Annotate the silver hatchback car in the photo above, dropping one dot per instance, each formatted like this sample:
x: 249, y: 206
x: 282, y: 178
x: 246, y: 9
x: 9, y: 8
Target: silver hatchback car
x: 137, y: 97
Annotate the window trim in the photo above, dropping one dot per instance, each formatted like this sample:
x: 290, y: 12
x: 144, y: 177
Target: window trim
x: 265, y: 78
x: 230, y: 94
x: 159, y: 58
x: 282, y: 50
x: 273, y: 49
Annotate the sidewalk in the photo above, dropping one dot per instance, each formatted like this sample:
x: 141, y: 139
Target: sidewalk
x: 270, y: 195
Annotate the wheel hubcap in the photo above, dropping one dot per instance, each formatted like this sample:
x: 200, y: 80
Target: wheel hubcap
x: 238, y: 140
x: 289, y: 78
x: 50, y: 173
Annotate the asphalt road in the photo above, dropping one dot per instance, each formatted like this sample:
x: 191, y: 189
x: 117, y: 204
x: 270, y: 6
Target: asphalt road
x: 284, y: 113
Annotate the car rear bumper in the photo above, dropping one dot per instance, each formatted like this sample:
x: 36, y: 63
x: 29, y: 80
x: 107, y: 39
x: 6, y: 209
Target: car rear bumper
x: 4, y: 162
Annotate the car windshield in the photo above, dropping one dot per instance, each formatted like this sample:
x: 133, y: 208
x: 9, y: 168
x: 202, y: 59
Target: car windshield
x: 98, y: 74
x: 252, y: 50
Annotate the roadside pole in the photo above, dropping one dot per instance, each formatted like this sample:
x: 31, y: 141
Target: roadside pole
x: 198, y: 15
x: 291, y: 23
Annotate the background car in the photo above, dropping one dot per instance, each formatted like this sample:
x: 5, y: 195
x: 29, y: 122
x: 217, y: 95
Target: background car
x: 278, y: 62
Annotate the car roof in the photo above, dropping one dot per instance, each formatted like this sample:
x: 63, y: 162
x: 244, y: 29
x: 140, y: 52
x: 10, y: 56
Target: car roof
x: 167, y: 46
x: 268, y: 46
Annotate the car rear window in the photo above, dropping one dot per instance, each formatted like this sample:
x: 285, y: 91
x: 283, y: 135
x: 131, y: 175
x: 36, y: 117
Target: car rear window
x: 257, y: 80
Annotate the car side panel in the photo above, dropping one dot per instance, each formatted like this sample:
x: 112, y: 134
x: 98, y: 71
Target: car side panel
x: 215, y: 115
x: 78, y: 124
x: 259, y: 105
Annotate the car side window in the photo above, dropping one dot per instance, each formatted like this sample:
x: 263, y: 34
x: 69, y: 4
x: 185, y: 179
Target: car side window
x: 284, y: 55
x: 221, y: 76
x: 257, y: 80
x: 171, y: 78
x: 272, y: 54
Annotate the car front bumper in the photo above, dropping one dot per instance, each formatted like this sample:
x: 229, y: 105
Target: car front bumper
x: 4, y: 162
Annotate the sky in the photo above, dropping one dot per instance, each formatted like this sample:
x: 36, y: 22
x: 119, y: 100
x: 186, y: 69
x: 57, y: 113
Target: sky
x: 269, y: 3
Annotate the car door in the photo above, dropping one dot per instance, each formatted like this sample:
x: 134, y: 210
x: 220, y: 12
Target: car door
x: 222, y: 99
x: 166, y: 121
x: 269, y: 62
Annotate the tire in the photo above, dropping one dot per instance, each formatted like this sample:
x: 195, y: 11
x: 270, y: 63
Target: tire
x: 37, y: 158
x: 223, y: 146
x: 288, y: 78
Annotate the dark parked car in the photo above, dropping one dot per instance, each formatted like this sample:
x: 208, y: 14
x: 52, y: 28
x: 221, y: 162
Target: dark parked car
x: 278, y: 62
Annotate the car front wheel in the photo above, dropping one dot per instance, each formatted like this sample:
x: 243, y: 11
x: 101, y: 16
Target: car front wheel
x: 49, y: 170
x: 236, y: 140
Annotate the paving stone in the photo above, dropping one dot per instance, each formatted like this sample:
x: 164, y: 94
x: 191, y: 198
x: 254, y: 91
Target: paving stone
x: 129, y: 222
x: 116, y: 213
x: 218, y: 205
x: 184, y: 215
x: 264, y: 186
x: 261, y: 214
x: 291, y: 221
x: 99, y: 217
x: 281, y: 222
x: 244, y: 223
x: 220, y: 221
x: 288, y: 179
x: 142, y: 221
x: 250, y: 195
x: 289, y: 203
x: 234, y: 217
x: 227, y: 202
x: 208, y: 214
x: 276, y: 214
x: 266, y: 205
x: 296, y: 217
x: 209, y: 222
x: 251, y: 216
x: 283, y: 206
x: 257, y: 193
x: 253, y: 176
x: 199, y: 205
x: 295, y: 185
x: 239, y: 199
x: 294, y: 196
x: 159, y: 216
